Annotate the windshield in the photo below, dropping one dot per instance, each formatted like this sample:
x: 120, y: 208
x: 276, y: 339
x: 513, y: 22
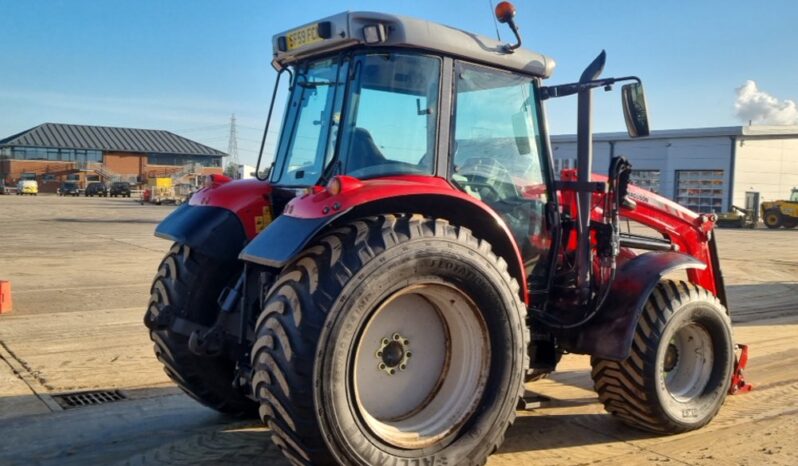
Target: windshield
x: 385, y: 125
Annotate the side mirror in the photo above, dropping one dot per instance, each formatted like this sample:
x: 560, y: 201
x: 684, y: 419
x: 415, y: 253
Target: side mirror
x: 634, y: 110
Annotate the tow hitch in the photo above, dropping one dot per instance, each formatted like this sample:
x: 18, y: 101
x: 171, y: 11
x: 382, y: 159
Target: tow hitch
x: 739, y: 385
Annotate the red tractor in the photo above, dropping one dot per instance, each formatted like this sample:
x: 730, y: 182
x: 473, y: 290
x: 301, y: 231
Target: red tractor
x: 412, y: 260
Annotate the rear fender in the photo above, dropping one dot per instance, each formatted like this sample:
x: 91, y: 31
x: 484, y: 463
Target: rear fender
x: 307, y: 216
x: 610, y: 335
x: 220, y: 219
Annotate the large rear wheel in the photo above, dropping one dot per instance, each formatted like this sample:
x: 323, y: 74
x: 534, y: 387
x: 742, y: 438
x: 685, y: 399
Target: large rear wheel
x: 187, y: 284
x: 679, y: 370
x: 393, y: 339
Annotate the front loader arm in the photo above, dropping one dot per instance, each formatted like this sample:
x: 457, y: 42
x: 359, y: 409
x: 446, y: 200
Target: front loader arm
x: 688, y: 232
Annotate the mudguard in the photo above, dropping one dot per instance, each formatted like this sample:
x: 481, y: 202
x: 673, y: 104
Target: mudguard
x: 215, y: 231
x: 307, y: 215
x: 290, y: 233
x: 220, y: 218
x: 610, y: 335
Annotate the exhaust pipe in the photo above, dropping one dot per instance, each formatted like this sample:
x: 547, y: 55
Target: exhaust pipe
x: 584, y: 153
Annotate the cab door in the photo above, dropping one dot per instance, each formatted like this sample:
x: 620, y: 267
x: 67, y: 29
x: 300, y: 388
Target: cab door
x: 498, y: 155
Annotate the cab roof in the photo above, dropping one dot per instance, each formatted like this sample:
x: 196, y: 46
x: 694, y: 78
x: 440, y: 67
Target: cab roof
x: 350, y: 29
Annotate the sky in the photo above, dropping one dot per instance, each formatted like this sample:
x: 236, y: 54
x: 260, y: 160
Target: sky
x: 187, y: 66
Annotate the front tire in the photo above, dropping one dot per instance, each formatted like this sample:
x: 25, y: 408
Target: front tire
x: 190, y: 283
x: 394, y: 339
x: 679, y: 370
x: 772, y: 219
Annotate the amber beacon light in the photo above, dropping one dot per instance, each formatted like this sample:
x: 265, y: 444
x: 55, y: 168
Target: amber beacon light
x: 505, y: 11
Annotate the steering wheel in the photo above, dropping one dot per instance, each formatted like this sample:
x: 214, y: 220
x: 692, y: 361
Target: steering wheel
x: 488, y: 177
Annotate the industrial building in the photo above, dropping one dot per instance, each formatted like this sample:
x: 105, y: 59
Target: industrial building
x: 704, y: 169
x: 58, y: 152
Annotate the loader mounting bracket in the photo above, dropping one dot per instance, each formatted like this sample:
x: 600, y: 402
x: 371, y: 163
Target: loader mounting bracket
x: 738, y: 384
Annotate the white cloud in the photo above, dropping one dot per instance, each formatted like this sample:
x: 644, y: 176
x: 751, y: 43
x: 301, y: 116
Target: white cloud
x: 760, y: 107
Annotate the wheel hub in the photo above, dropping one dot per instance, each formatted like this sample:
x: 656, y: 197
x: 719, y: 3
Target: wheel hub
x: 671, y: 358
x: 687, y: 362
x: 393, y: 354
x: 411, y: 397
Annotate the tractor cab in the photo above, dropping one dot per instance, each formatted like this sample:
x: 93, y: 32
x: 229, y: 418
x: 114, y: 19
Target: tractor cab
x: 375, y: 96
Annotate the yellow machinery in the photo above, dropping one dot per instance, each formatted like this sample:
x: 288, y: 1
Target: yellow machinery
x: 161, y: 190
x: 781, y: 213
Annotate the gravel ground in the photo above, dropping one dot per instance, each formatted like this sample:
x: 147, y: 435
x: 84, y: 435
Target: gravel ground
x: 80, y: 271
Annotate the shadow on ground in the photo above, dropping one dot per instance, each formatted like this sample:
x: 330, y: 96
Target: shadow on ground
x: 757, y: 304
x: 154, y: 426
x: 106, y: 220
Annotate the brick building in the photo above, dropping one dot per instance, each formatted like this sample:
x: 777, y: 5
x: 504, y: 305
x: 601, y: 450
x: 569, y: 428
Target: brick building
x: 59, y: 152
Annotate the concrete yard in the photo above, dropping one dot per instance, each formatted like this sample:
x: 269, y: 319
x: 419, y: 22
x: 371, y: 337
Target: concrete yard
x: 80, y: 270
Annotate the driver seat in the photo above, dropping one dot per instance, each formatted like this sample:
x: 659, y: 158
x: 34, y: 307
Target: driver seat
x: 363, y: 152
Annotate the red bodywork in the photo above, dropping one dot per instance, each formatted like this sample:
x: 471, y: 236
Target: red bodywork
x: 690, y: 232
x: 318, y: 202
x: 248, y: 199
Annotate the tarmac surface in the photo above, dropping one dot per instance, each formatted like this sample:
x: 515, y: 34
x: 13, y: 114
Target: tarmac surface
x: 80, y: 270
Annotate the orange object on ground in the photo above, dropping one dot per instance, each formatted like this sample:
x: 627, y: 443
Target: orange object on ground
x: 5, y: 296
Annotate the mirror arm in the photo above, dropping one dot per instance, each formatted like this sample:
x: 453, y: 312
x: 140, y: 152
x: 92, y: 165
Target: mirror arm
x: 563, y: 90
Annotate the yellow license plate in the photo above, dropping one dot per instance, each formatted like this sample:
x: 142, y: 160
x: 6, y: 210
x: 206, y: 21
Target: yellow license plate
x: 301, y: 37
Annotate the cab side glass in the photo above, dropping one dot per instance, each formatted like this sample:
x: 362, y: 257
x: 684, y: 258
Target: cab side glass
x: 498, y: 156
x: 634, y: 110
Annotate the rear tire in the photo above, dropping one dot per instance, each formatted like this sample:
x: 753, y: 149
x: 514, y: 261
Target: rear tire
x: 190, y: 283
x: 679, y: 370
x: 772, y: 219
x: 368, y: 299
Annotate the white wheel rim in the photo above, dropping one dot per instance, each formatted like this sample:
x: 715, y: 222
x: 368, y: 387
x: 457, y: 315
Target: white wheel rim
x: 687, y: 363
x: 414, y: 400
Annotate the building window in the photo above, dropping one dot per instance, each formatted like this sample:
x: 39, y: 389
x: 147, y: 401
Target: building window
x: 175, y: 160
x: 53, y: 154
x: 700, y: 190
x: 646, y: 179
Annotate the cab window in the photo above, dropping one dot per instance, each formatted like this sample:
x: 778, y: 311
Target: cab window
x: 497, y: 151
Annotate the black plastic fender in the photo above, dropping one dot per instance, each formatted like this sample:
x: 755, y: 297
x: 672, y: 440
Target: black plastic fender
x: 214, y: 231
x: 610, y: 334
x: 282, y: 240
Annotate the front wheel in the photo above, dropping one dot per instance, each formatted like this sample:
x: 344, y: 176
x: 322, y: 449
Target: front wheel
x: 391, y: 340
x: 679, y: 370
x: 772, y: 219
